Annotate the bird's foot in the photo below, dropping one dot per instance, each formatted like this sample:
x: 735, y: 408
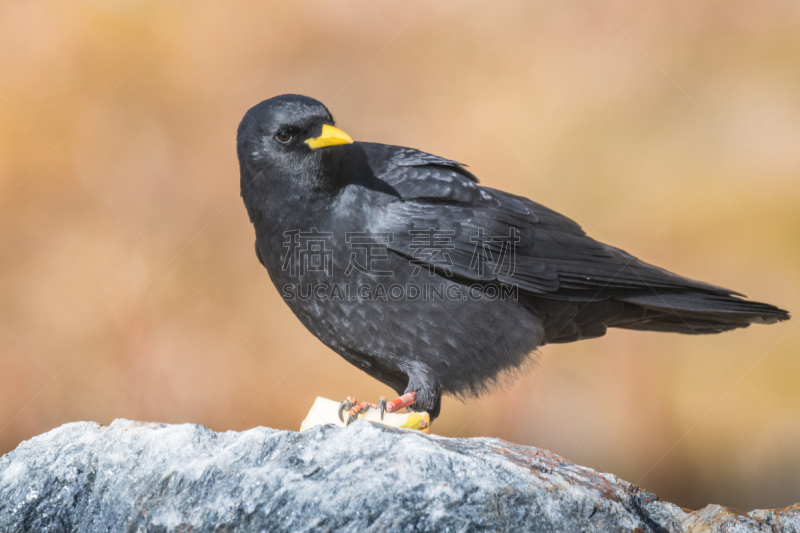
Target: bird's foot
x: 355, y: 408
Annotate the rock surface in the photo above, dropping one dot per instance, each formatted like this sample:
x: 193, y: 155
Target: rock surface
x: 138, y: 477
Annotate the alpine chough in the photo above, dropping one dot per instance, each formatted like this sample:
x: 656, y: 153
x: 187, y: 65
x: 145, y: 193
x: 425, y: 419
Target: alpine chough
x: 401, y: 263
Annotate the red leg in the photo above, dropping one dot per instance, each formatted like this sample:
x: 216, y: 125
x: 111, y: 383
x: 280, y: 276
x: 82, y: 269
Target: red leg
x: 403, y: 401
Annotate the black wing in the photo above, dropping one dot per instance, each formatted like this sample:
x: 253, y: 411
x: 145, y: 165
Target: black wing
x: 552, y: 256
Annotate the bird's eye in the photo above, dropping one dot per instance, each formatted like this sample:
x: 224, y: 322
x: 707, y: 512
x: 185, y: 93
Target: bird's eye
x: 283, y: 136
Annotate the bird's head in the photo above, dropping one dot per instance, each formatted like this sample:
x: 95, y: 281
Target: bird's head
x: 286, y: 138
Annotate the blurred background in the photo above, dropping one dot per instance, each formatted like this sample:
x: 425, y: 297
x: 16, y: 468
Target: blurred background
x: 128, y: 282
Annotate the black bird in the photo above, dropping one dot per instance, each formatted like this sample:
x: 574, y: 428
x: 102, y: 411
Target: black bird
x: 400, y: 262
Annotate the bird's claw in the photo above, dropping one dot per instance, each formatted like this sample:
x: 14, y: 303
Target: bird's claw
x: 359, y: 408
x: 346, y: 405
x: 355, y: 408
x: 382, y: 405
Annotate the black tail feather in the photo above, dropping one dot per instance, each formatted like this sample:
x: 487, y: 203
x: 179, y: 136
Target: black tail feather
x: 695, y: 312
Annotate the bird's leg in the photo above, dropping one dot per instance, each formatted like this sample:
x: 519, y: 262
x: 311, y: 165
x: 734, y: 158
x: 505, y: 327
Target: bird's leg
x: 403, y: 401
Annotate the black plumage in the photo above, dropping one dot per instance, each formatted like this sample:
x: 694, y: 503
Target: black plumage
x: 300, y: 176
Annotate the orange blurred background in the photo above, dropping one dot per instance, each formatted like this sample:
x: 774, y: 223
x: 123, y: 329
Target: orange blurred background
x: 128, y: 282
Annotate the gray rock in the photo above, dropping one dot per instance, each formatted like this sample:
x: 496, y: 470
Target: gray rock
x: 133, y: 477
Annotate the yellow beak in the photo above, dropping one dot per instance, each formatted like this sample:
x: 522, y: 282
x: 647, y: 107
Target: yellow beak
x: 331, y: 136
